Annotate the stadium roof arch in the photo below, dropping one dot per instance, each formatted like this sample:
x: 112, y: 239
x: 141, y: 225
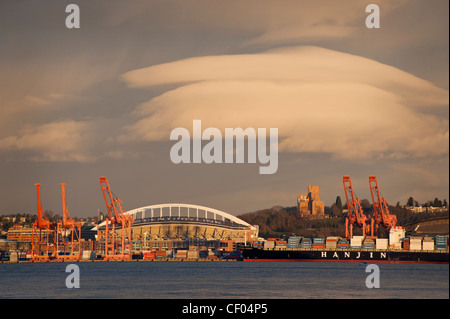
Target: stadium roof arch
x: 185, y: 213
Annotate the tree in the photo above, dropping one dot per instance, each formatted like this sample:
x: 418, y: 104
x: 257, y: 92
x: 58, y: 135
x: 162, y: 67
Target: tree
x: 7, y: 224
x: 339, y: 202
x: 335, y: 210
x: 444, y: 203
x: 437, y: 203
x: 410, y: 202
x: 365, y: 204
x: 17, y: 219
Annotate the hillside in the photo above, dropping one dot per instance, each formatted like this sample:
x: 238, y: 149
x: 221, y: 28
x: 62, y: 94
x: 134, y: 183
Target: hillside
x: 429, y: 227
x: 278, y: 221
x: 285, y: 221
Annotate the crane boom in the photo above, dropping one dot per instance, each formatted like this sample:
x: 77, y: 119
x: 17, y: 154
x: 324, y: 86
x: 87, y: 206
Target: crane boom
x: 42, y: 222
x: 113, y: 204
x: 70, y: 248
x: 43, y: 232
x: 116, y: 217
x: 64, y: 206
x: 355, y: 212
x: 381, y: 213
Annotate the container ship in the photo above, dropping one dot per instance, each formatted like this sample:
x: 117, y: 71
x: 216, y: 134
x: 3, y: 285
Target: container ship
x: 396, y: 249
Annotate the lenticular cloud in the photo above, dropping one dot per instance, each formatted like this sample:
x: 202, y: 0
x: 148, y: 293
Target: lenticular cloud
x: 320, y: 100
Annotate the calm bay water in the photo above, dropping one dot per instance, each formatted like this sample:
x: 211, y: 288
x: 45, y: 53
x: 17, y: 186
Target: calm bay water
x: 236, y: 280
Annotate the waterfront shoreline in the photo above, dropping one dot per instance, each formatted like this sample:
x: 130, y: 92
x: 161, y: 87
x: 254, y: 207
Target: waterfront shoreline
x: 120, y: 260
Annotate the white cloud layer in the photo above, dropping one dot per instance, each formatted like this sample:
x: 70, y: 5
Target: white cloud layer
x: 320, y: 100
x: 60, y: 141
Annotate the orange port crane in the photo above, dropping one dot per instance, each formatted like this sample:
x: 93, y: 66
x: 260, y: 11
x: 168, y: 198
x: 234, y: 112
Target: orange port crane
x: 355, y: 212
x: 381, y: 213
x: 67, y: 248
x: 116, y: 218
x: 43, y: 233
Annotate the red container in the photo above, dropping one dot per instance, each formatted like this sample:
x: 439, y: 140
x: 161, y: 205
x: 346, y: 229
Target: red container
x: 149, y: 255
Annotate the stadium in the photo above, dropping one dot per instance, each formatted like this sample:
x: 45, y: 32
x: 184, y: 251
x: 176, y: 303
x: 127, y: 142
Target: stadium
x: 178, y: 226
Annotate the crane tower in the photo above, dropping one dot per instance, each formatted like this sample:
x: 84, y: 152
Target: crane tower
x: 381, y: 213
x: 68, y: 234
x: 43, y: 233
x: 355, y: 212
x: 116, y: 249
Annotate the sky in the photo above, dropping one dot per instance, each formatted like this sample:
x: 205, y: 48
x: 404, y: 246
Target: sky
x: 103, y: 99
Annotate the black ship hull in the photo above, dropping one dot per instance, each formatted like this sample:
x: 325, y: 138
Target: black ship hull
x: 340, y: 255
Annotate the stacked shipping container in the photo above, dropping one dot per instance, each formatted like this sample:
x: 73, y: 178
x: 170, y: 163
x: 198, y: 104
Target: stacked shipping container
x: 368, y: 243
x: 415, y: 243
x: 258, y: 244
x: 343, y: 243
x: 269, y: 244
x: 405, y: 243
x: 428, y: 243
x: 382, y: 243
x: 318, y: 243
x: 306, y: 243
x: 441, y: 242
x: 331, y: 242
x: 293, y: 241
x: 281, y: 244
x: 149, y: 255
x: 356, y: 242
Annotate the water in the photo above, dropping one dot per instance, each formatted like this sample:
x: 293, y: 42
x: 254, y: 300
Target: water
x: 236, y: 280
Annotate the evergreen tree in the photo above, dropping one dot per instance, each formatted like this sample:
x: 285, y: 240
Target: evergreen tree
x: 339, y: 202
x: 410, y: 202
x: 437, y: 203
